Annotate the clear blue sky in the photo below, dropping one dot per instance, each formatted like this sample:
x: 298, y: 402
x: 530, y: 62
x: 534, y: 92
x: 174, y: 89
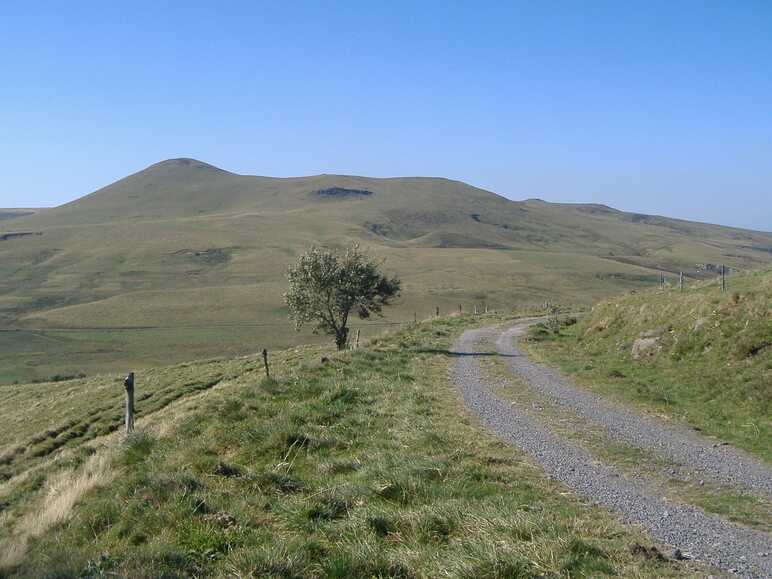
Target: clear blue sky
x: 658, y: 107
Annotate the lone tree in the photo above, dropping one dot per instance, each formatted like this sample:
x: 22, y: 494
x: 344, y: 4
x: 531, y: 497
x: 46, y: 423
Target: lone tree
x: 326, y: 286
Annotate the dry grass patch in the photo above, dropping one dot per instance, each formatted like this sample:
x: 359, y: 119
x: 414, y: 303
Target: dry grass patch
x: 62, y: 492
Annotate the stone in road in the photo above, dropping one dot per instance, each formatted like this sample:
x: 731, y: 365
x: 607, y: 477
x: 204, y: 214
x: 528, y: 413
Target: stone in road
x: 706, y: 537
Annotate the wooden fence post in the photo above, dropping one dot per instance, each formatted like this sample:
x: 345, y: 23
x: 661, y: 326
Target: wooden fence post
x: 460, y: 309
x: 415, y: 318
x: 723, y: 277
x: 438, y: 311
x: 128, y: 384
x: 486, y: 307
x: 475, y: 309
x: 681, y: 281
x: 265, y: 363
x: 357, y: 346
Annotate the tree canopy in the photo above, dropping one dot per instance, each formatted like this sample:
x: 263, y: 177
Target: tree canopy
x: 326, y: 286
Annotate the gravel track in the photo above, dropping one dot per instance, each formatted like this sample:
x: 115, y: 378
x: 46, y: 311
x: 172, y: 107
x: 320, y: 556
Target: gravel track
x: 706, y: 537
x: 703, y: 456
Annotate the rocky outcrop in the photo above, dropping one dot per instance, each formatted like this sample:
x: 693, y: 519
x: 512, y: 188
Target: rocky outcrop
x: 646, y: 345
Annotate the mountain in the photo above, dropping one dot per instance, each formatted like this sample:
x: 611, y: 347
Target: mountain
x: 184, y: 243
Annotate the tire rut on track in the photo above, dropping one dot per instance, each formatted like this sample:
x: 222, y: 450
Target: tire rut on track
x: 706, y: 537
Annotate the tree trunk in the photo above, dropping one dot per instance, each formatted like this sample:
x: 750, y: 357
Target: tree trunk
x: 341, y: 338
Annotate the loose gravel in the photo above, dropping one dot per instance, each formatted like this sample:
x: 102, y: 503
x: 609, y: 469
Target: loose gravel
x: 707, y: 458
x: 705, y: 537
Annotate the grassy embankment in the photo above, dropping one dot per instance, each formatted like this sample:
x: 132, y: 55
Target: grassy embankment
x: 364, y: 466
x: 708, y: 360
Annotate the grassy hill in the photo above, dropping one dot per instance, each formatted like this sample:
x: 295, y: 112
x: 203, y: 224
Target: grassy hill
x: 364, y: 466
x: 701, y: 355
x: 195, y: 256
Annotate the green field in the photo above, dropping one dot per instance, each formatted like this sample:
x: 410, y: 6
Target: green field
x: 365, y: 466
x: 51, y: 354
x: 183, y: 244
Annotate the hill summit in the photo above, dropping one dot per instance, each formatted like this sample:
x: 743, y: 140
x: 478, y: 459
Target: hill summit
x: 184, y: 243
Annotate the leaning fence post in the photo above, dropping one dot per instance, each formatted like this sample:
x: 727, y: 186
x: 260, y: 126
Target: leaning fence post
x: 128, y: 384
x: 265, y: 363
x: 357, y: 346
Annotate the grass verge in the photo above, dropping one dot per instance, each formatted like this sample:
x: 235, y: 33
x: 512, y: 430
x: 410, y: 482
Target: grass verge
x: 364, y: 466
x: 674, y: 480
x: 700, y: 356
